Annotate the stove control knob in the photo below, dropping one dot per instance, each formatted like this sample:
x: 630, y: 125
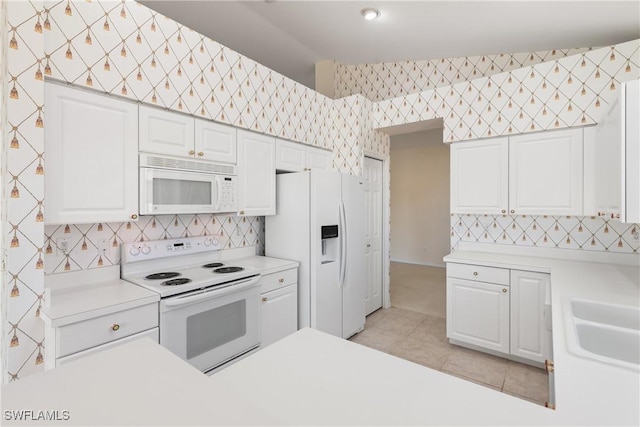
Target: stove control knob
x: 145, y: 250
x: 207, y: 242
x: 215, y: 241
x: 134, y: 250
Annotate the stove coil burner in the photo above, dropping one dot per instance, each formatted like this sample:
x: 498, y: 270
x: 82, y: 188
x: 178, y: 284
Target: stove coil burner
x: 176, y: 282
x: 213, y: 265
x: 224, y: 270
x: 162, y: 276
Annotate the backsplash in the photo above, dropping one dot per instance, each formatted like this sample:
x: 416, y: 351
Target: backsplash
x: 564, y: 232
x: 233, y: 232
x: 388, y: 80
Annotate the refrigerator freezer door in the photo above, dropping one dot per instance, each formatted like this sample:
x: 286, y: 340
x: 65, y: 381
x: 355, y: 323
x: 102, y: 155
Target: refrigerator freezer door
x: 353, y: 288
x: 326, y: 294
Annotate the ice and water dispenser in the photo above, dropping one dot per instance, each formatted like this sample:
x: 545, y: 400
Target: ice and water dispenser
x: 330, y: 248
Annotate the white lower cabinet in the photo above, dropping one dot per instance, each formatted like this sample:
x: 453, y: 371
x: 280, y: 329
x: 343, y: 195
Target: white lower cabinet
x: 478, y: 313
x: 279, y: 308
x: 529, y: 337
x: 498, y: 309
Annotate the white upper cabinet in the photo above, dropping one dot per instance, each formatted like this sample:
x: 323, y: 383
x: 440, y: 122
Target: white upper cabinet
x: 545, y: 173
x: 166, y: 132
x: 296, y: 157
x: 215, y: 142
x: 612, y: 159
x: 479, y: 176
x: 91, y: 162
x: 290, y: 156
x: 256, y: 174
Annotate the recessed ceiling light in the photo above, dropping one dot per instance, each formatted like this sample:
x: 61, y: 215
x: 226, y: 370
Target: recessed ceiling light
x: 370, y: 13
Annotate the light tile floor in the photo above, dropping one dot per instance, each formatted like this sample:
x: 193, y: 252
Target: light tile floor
x: 421, y: 338
x: 415, y: 330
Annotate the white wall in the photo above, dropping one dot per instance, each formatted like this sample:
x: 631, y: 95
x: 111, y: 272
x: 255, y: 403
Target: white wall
x: 420, y: 198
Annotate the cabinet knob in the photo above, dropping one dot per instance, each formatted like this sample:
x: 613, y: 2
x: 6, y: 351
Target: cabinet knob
x: 281, y: 280
x: 504, y: 290
x: 241, y: 212
x: 115, y: 327
x: 368, y: 245
x: 512, y: 211
x: 264, y: 299
x: 475, y: 273
x: 134, y: 216
x: 548, y: 365
x: 200, y: 153
x: 191, y: 152
x: 504, y: 211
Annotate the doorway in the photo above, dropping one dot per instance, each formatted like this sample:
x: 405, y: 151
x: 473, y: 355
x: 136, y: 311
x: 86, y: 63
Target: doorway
x: 372, y: 174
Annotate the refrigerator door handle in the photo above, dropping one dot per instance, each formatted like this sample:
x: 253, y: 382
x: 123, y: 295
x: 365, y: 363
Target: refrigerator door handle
x: 343, y: 245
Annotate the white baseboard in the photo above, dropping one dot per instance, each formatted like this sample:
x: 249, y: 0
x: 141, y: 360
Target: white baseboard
x: 428, y: 264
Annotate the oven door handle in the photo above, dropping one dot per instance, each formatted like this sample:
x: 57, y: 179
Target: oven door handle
x: 212, y: 293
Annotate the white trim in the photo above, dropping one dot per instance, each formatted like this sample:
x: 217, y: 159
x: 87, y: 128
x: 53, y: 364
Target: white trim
x: 428, y: 264
x: 565, y: 254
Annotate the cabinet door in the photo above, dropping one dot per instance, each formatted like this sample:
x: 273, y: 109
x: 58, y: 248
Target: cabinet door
x: 92, y: 157
x: 166, y: 132
x: 479, y: 173
x: 545, y: 173
x: 256, y: 174
x: 279, y: 314
x: 529, y: 337
x: 290, y: 156
x: 215, y: 142
x: 318, y: 159
x: 632, y: 152
x: 478, y: 313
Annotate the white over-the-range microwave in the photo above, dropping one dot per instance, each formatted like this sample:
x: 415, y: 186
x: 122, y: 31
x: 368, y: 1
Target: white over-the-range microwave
x: 171, y: 185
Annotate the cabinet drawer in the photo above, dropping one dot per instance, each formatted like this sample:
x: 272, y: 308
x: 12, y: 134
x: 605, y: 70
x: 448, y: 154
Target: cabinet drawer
x: 479, y: 273
x: 100, y: 330
x: 278, y: 280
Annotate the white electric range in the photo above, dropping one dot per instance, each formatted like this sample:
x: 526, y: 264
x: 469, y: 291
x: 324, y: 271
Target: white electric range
x: 209, y: 306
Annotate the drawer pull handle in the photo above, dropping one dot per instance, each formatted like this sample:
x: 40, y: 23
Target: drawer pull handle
x: 475, y: 273
x: 264, y: 299
x: 281, y: 280
x: 115, y: 327
x: 504, y: 290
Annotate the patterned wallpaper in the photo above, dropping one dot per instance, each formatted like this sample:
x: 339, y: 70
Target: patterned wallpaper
x: 125, y: 49
x: 564, y: 232
x: 393, y: 79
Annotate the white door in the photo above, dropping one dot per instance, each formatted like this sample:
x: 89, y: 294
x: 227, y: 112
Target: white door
x: 91, y: 164
x: 279, y: 314
x: 528, y: 333
x: 215, y: 142
x: 256, y: 174
x: 479, y: 173
x: 373, y: 233
x: 478, y: 313
x: 166, y: 132
x: 545, y: 173
x: 354, y: 273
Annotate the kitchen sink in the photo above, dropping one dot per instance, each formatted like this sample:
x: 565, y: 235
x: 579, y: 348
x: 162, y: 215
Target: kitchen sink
x: 604, y: 332
x: 608, y: 314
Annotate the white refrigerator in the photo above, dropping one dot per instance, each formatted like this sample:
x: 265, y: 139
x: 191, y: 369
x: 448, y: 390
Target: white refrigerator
x: 319, y: 222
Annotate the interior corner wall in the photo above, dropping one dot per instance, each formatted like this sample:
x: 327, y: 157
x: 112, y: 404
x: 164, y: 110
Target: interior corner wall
x: 420, y: 219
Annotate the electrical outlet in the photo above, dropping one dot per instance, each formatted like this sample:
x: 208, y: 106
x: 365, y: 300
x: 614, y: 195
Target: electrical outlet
x: 63, y: 246
x: 103, y: 247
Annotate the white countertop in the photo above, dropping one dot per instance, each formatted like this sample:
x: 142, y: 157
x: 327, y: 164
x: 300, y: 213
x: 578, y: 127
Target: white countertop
x: 76, y: 296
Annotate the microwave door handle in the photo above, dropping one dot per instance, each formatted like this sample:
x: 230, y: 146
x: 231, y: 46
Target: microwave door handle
x: 218, y: 196
x: 148, y: 191
x: 213, y: 293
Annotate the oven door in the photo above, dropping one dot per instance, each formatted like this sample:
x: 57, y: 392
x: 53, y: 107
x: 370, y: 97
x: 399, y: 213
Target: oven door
x: 164, y: 191
x: 209, y: 327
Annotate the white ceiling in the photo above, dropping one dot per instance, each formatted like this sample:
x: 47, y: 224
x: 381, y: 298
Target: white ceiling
x: 291, y: 36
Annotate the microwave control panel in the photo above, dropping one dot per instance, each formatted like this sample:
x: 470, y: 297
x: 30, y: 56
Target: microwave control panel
x: 227, y: 194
